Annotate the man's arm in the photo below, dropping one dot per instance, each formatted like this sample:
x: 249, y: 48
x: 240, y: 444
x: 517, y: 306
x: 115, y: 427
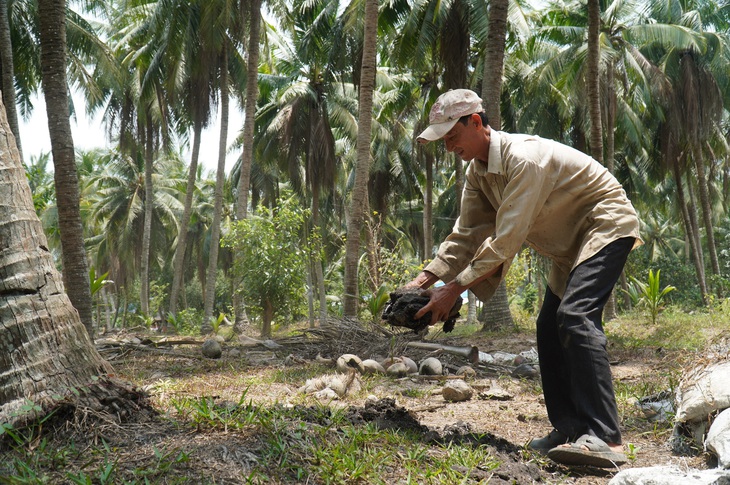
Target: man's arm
x: 424, y: 280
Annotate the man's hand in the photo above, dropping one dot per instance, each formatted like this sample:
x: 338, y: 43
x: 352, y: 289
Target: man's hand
x: 441, y: 302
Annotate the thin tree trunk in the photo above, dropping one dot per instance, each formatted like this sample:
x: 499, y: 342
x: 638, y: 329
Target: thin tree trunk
x: 8, y: 74
x: 359, y: 192
x: 593, y: 81
x: 316, y: 260
x: 220, y: 178
x: 144, y: 293
x: 471, y: 314
x: 428, y: 206
x: 178, y: 262
x: 692, y: 209
x: 267, y: 317
x: 310, y: 292
x: 689, y: 230
x: 610, y: 311
x: 706, y: 210
x: 244, y: 180
x: 52, y: 21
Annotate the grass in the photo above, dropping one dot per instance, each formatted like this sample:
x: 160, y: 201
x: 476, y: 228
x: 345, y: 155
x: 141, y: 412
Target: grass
x: 317, y: 443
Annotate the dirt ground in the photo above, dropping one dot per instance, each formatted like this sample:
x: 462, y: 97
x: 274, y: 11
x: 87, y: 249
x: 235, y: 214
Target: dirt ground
x: 405, y: 403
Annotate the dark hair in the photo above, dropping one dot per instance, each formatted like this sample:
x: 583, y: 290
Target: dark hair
x: 482, y: 114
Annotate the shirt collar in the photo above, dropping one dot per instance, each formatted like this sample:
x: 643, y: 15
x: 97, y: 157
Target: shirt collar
x: 495, y: 156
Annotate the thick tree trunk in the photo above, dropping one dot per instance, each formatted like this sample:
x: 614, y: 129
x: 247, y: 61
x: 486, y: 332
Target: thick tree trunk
x: 359, y: 192
x: 496, y: 311
x: 252, y: 94
x: 52, y: 21
x: 495, y: 316
x: 44, y: 348
x: 494, y: 61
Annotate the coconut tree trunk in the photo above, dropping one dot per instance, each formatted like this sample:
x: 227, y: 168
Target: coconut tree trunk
x: 220, y: 178
x: 496, y: 311
x: 252, y: 94
x: 359, y: 191
x: 144, y: 292
x: 494, y: 61
x: 496, y: 316
x: 8, y: 74
x: 428, y: 206
x: 593, y: 80
x: 178, y: 262
x: 688, y: 229
x: 267, y: 317
x: 706, y: 210
x: 45, y: 349
x: 52, y: 22
x: 610, y: 311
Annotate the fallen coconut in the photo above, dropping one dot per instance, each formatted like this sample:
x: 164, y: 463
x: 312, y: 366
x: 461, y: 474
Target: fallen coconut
x: 399, y: 369
x: 431, y: 366
x: 371, y: 366
x: 349, y: 361
x: 212, y: 349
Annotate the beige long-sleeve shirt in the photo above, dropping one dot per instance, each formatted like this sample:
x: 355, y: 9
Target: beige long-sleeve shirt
x: 558, y: 200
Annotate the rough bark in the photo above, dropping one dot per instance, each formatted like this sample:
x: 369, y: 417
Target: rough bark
x: 496, y: 316
x: 359, y: 192
x: 45, y: 350
x: 495, y: 312
x: 52, y: 21
x: 494, y: 61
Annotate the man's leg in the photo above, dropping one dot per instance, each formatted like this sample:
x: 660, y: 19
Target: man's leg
x: 554, y: 371
x: 580, y: 332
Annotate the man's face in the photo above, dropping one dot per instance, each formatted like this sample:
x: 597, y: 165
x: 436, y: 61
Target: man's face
x: 463, y: 140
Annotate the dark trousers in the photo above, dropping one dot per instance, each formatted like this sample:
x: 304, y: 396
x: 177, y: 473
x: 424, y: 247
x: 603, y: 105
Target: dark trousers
x: 576, y: 376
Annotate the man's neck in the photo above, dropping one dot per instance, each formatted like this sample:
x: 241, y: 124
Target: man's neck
x: 484, y: 156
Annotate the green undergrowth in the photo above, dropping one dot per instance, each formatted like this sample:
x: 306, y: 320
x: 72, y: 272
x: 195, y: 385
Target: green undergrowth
x: 285, y: 444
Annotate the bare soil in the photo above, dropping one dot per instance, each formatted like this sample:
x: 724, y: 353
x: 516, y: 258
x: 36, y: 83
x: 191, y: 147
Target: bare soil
x: 272, y: 378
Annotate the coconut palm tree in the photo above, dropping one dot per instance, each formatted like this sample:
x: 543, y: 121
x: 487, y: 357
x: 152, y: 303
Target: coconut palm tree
x: 53, y: 353
x: 244, y: 176
x: 8, y: 73
x: 52, y: 30
x: 364, y: 136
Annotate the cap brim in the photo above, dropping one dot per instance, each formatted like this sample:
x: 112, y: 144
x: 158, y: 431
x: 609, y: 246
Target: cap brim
x: 436, y: 131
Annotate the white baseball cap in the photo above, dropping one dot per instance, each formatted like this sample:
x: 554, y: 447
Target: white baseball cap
x: 447, y: 110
